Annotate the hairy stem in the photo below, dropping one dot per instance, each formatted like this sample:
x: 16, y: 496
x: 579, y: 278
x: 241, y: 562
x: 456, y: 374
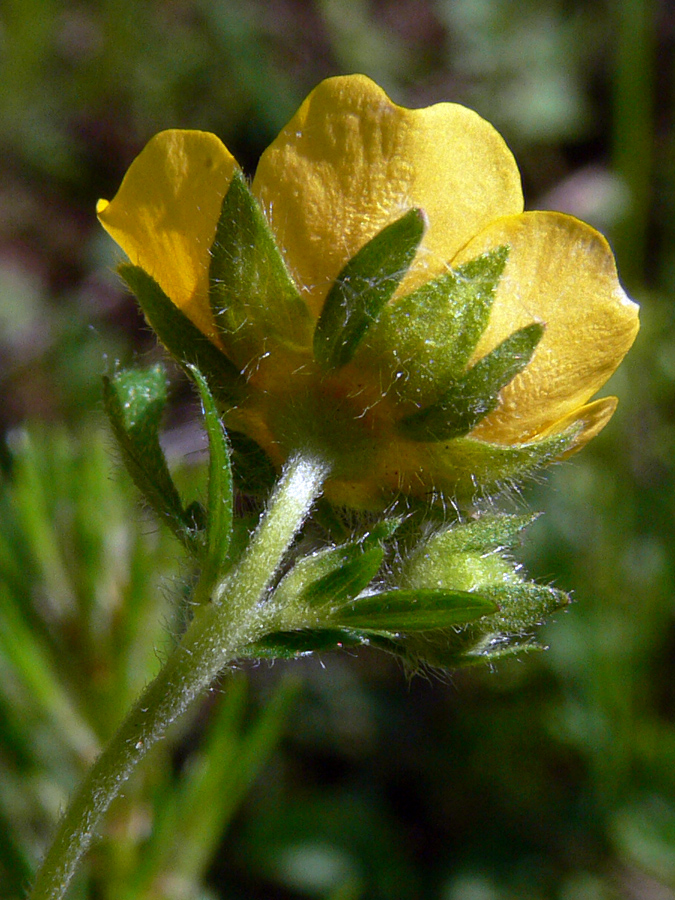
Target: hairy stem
x: 235, y: 618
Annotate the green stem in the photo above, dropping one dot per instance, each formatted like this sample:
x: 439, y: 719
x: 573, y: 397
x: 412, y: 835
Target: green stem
x: 219, y: 630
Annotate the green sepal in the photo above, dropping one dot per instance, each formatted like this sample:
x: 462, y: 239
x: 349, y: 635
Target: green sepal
x: 522, y: 606
x: 476, y: 393
x: 488, y: 532
x: 363, y: 287
x: 382, y: 530
x: 471, y: 560
x: 338, y: 574
x: 253, y: 297
x: 291, y: 644
x: 448, y: 650
x: 220, y: 502
x: 355, y: 568
x: 498, y: 651
x: 414, y: 610
x: 425, y: 339
x: 485, y: 465
x: 134, y: 401
x: 467, y: 555
x: 184, y: 341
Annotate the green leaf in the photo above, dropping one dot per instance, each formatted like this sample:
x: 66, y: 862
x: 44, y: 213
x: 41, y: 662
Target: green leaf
x: 220, y: 494
x: 27, y: 655
x: 363, y: 287
x: 414, y: 610
x: 475, y: 394
x: 134, y: 400
x: 253, y: 297
x: 497, y: 651
x: 291, y: 644
x: 184, y: 341
x: 330, y: 576
x: 425, y: 339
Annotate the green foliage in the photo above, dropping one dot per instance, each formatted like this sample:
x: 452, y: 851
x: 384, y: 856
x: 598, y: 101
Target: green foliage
x: 303, y: 642
x: 337, y: 574
x: 496, y: 465
x: 413, y: 610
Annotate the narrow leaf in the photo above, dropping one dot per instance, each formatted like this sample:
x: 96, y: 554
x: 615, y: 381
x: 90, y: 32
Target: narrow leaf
x: 134, y: 400
x: 184, y: 341
x: 522, y: 607
x: 476, y: 394
x: 220, y: 494
x: 252, y: 469
x: 29, y: 658
x: 330, y: 576
x: 501, y: 651
x: 363, y: 287
x: 414, y: 610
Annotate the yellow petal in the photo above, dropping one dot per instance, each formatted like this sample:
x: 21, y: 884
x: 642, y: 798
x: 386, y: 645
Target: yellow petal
x: 350, y: 162
x: 592, y: 418
x: 165, y: 213
x: 560, y: 272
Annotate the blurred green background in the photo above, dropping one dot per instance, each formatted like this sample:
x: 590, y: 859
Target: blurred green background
x: 548, y: 778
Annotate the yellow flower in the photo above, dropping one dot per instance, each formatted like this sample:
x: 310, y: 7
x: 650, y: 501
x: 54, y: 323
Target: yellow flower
x: 349, y: 164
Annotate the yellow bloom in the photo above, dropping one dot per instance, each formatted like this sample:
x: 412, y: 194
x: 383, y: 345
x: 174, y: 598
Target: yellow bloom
x: 349, y: 164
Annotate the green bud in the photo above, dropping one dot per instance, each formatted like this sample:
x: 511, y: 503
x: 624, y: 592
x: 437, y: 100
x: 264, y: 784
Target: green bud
x: 475, y: 557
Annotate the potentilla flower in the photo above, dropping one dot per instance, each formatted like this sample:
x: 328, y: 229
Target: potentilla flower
x: 377, y: 296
